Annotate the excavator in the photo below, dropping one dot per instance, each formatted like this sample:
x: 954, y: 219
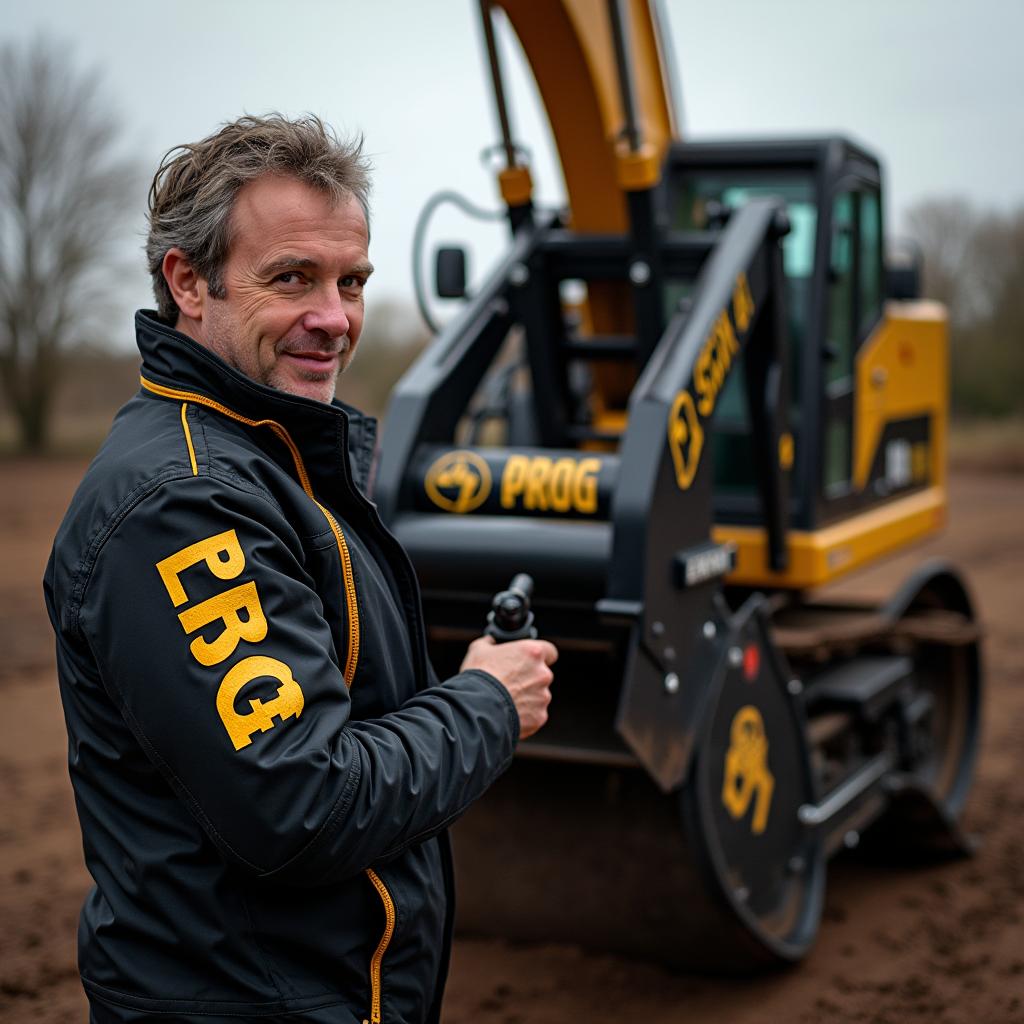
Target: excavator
x: 672, y: 413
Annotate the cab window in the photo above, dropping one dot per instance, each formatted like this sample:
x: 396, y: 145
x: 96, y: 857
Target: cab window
x: 871, y: 269
x: 839, y: 334
x: 854, y: 308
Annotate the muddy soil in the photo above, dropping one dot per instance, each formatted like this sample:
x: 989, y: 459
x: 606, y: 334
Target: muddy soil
x: 939, y: 944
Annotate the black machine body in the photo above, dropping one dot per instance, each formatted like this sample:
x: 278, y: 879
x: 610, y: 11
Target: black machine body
x: 724, y: 739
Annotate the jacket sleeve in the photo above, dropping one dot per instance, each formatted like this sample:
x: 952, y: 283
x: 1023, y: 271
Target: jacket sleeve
x: 211, y: 639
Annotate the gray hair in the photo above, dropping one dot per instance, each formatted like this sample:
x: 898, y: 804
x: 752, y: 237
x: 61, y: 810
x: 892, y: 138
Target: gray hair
x: 195, y: 188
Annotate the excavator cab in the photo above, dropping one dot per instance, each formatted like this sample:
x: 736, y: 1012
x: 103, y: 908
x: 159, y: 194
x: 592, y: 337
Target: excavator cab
x: 834, y: 280
x: 680, y: 406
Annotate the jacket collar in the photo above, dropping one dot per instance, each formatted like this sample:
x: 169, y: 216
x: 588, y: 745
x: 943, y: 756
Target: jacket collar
x: 322, y: 432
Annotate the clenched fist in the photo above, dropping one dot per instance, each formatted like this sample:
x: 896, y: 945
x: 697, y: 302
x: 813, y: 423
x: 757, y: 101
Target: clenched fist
x: 522, y: 666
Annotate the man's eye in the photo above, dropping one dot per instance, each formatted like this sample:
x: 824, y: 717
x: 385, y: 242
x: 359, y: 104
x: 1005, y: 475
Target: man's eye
x: 351, y: 282
x: 288, y: 277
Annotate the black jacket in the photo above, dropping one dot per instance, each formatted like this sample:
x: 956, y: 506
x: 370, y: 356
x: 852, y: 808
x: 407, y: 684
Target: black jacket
x: 261, y: 764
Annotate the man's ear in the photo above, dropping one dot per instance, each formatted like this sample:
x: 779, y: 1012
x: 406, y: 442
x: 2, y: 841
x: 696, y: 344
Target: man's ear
x: 187, y: 287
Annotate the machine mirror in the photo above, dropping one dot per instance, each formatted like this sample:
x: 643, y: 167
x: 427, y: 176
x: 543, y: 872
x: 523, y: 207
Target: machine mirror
x: 903, y: 278
x: 903, y: 282
x: 450, y: 272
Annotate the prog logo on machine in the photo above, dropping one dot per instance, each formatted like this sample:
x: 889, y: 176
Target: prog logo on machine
x: 458, y: 481
x: 747, y: 777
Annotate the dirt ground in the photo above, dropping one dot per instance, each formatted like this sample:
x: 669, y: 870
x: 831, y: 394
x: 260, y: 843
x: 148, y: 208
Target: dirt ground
x: 941, y: 944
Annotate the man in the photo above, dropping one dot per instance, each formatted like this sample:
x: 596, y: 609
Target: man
x: 263, y: 763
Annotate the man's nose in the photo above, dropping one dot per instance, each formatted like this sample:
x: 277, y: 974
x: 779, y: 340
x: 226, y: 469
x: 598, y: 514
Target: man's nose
x: 327, y: 314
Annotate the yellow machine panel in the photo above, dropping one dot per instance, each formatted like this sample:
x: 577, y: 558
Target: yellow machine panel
x: 903, y: 371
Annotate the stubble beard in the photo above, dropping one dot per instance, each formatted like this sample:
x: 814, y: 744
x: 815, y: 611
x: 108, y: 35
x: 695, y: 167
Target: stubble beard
x: 220, y: 342
x: 280, y: 380
x: 328, y: 381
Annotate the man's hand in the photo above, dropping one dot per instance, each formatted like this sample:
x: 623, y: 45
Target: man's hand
x: 522, y: 668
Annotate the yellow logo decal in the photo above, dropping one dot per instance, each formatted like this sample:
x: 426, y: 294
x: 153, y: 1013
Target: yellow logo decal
x: 538, y: 483
x: 746, y: 769
x: 710, y: 370
x: 458, y: 481
x: 287, y: 703
x: 742, y: 303
x: 685, y: 439
x: 714, y: 362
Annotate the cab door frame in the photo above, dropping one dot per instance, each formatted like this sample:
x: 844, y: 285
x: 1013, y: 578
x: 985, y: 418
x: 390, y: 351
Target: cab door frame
x: 859, y: 184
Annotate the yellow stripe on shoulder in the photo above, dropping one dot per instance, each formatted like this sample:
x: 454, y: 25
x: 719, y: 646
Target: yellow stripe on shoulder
x: 188, y: 438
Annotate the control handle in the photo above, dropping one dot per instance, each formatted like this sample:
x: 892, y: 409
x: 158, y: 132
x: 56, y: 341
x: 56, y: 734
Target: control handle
x: 510, y: 617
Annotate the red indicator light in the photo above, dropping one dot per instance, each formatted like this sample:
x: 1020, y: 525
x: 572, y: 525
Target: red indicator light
x: 751, y: 662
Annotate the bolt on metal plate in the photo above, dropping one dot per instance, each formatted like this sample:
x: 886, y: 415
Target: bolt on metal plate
x: 639, y: 272
x: 518, y: 274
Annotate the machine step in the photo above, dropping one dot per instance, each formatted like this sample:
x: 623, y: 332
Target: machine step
x: 865, y: 686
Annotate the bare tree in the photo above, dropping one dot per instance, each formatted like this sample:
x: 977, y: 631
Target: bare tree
x: 945, y: 230
x: 63, y: 191
x: 974, y: 262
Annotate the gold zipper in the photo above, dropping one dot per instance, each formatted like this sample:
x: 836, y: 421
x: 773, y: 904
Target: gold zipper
x: 352, y: 655
x: 378, y: 956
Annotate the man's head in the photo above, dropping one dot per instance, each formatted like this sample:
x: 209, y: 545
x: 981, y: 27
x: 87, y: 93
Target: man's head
x: 257, y: 247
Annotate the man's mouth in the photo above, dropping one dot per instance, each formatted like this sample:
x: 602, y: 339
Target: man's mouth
x: 312, y: 360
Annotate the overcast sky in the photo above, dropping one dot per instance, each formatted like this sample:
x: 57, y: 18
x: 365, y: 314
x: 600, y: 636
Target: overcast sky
x: 934, y: 86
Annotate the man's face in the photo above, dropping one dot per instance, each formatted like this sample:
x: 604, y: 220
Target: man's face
x: 294, y: 279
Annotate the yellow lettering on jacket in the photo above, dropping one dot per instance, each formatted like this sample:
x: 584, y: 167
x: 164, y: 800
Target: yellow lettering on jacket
x: 222, y: 554
x: 242, y: 616
x: 540, y: 484
x: 225, y: 607
x: 288, y: 702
